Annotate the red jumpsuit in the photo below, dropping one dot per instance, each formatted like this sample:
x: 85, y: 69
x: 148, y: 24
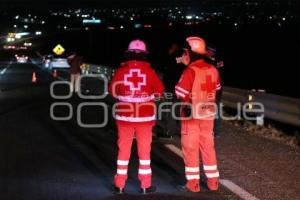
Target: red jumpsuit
x: 198, y: 86
x: 135, y: 85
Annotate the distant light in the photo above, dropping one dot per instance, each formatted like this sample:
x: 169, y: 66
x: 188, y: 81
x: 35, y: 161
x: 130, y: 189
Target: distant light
x: 189, y: 17
x: 65, y: 27
x: 111, y: 28
x: 283, y: 19
x: 235, y: 24
x: 15, y: 26
x: 17, y: 17
x: 250, y: 98
x: 121, y: 27
x: 43, y: 22
x: 131, y: 18
x: 147, y: 26
x: 188, y: 23
x: 27, y: 44
x: 9, y: 39
x: 26, y: 26
x: 91, y: 21
x: 38, y: 33
x: 270, y: 17
x: 138, y: 26
x: 22, y: 34
x: 18, y: 36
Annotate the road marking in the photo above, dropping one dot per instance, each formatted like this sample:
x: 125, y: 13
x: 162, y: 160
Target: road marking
x: 2, y: 72
x: 226, y: 183
x: 237, y: 190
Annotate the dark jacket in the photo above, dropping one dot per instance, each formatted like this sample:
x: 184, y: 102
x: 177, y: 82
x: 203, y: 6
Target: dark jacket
x: 75, y: 62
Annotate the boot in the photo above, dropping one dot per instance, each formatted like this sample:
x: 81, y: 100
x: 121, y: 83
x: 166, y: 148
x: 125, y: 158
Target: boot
x: 117, y: 190
x: 191, y: 186
x: 213, y: 184
x: 148, y: 190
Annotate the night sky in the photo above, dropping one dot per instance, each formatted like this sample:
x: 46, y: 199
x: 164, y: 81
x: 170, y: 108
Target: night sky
x: 42, y: 3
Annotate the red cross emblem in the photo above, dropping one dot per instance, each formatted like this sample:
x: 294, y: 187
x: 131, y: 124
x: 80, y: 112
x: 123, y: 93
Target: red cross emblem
x: 135, y: 79
x: 209, y: 86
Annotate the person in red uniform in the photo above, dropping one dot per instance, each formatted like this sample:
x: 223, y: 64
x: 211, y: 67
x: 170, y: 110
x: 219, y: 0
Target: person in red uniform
x: 197, y: 89
x: 75, y: 62
x: 135, y: 85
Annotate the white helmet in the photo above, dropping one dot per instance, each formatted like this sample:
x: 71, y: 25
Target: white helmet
x: 137, y: 46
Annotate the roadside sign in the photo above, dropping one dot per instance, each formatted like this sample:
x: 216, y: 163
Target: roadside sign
x: 58, y: 50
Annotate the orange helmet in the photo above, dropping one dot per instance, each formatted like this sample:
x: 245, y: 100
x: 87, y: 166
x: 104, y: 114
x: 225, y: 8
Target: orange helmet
x: 197, y: 45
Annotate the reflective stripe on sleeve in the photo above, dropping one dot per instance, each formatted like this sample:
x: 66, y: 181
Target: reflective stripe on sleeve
x: 180, y: 94
x: 180, y: 89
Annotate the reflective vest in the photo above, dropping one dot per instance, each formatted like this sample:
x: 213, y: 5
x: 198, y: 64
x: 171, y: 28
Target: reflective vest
x: 198, y: 86
x: 135, y: 84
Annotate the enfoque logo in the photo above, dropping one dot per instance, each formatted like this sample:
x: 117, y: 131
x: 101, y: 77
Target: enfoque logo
x: 82, y: 105
x: 166, y: 107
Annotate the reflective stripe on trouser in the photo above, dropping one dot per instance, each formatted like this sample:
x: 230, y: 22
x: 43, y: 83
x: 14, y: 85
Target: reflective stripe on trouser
x: 196, y: 139
x: 143, y: 133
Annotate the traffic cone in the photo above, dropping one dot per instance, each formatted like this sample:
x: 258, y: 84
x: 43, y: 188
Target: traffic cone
x: 33, y: 79
x: 55, y: 73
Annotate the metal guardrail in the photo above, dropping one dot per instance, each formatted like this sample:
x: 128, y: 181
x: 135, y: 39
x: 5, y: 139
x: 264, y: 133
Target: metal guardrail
x: 98, y: 69
x: 278, y: 108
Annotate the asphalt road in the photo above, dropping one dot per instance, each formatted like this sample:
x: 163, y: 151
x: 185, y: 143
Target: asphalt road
x: 42, y: 158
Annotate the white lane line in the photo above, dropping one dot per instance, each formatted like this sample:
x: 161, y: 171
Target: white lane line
x: 226, y: 183
x: 237, y: 190
x: 2, y: 72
